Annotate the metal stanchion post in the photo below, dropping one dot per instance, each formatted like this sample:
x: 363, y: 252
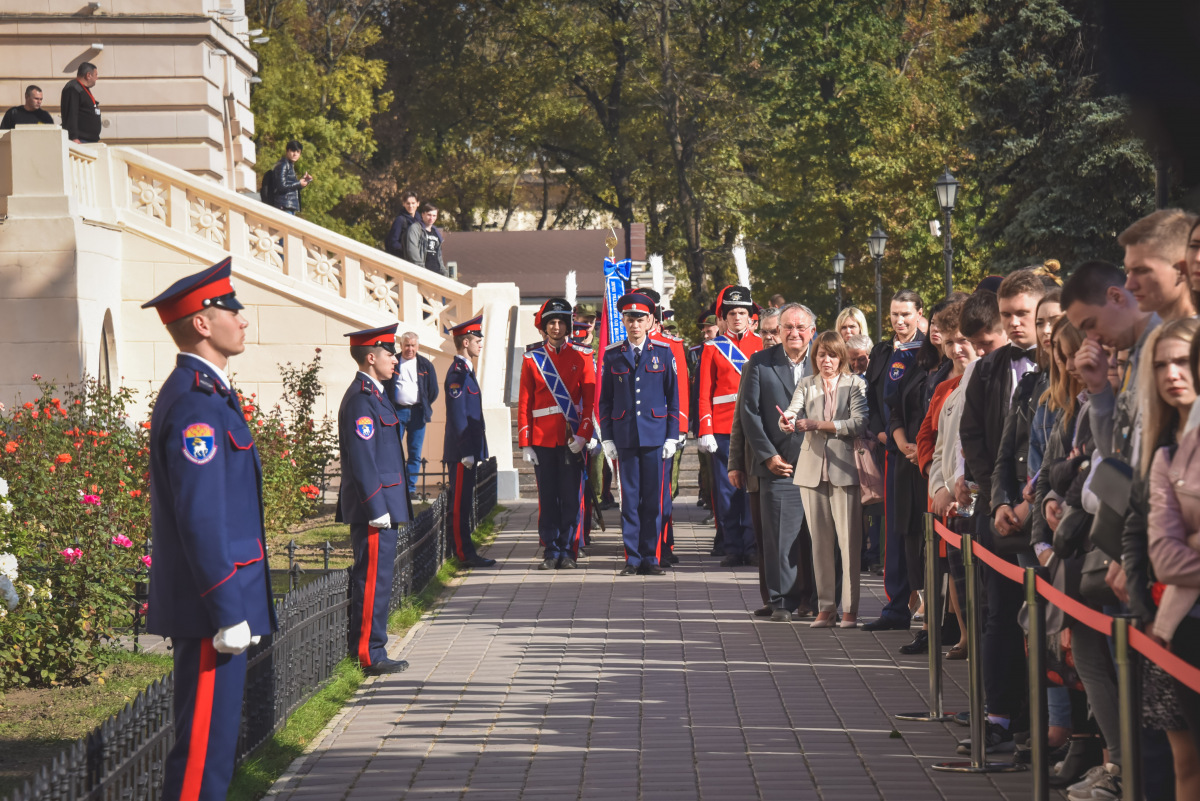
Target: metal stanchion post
x: 1129, y: 704
x: 1038, y: 713
x: 978, y: 763
x: 933, y: 623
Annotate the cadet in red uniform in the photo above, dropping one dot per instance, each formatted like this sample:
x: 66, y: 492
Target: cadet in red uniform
x: 210, y: 590
x: 554, y: 424
x: 720, y: 376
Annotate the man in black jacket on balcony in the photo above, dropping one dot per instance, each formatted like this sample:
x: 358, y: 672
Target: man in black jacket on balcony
x: 78, y: 106
x: 286, y: 195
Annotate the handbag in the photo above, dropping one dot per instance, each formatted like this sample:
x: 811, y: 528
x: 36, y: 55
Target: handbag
x: 870, y: 480
x: 1072, y: 532
x: 1093, y: 589
x: 1112, y: 483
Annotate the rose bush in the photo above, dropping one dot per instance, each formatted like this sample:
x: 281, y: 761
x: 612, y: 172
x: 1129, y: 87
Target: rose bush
x: 75, y: 525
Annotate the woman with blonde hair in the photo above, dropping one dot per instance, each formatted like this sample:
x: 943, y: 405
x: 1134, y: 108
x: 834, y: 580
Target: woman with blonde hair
x: 851, y: 322
x: 829, y: 408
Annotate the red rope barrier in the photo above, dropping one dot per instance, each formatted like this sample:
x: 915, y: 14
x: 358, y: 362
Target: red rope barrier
x: 1177, y: 668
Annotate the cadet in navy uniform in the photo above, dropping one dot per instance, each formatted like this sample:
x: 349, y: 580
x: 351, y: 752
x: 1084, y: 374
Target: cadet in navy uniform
x: 374, y: 494
x: 210, y: 590
x: 639, y: 425
x: 466, y: 440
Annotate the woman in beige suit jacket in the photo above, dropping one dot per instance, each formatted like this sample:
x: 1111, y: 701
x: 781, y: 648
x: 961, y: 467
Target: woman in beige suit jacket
x: 829, y: 408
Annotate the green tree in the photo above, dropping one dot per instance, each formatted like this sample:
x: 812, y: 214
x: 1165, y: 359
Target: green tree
x: 319, y: 87
x: 1056, y: 162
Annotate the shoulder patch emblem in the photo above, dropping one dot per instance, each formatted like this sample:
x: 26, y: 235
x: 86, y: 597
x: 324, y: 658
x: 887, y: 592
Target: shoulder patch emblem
x: 199, y: 443
x: 897, y: 370
x: 454, y: 390
x: 365, y: 427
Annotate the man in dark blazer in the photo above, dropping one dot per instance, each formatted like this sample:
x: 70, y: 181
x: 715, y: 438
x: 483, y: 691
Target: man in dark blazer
x: 79, y: 108
x: 412, y: 390
x: 768, y: 381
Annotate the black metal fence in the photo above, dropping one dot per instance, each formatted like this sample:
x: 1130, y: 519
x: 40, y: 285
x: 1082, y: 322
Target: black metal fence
x: 123, y: 758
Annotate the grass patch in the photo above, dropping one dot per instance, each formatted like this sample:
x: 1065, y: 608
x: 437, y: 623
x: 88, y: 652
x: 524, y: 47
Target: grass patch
x: 256, y: 775
x: 36, y: 725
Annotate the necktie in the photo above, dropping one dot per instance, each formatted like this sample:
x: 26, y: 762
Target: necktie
x: 637, y: 357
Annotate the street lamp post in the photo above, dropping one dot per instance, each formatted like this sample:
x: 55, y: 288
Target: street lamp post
x: 947, y: 192
x: 839, y: 265
x: 875, y: 244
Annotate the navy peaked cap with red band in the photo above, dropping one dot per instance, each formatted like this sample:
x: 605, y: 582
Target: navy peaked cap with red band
x: 635, y: 302
x: 472, y: 326
x: 211, y: 287
x: 384, y: 335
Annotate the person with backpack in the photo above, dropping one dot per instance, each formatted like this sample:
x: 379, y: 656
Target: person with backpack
x: 394, y: 243
x: 281, y: 187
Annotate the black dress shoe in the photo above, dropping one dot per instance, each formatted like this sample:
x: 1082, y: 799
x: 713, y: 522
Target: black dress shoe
x: 567, y: 563
x: 480, y: 561
x: 764, y: 611
x: 919, y: 644
x: 885, y: 624
x: 751, y: 560
x: 548, y: 564
x: 629, y: 570
x: 673, y: 559
x: 385, y: 666
x: 708, y: 521
x: 731, y: 561
x: 653, y: 570
x: 877, y: 569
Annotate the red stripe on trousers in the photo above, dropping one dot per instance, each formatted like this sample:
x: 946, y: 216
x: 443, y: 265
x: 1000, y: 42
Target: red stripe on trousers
x: 368, y: 610
x: 193, y: 775
x: 662, y: 535
x: 458, y: 549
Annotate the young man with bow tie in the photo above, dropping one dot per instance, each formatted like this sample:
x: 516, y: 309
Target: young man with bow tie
x: 987, y: 399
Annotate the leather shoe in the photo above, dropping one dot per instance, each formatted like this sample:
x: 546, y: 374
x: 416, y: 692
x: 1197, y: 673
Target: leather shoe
x: 731, y: 561
x: 885, y: 624
x: 751, y: 560
x: 567, y: 563
x: 480, y: 561
x: 548, y: 564
x: 385, y: 666
x: 629, y: 569
x: 764, y: 611
x: 919, y: 644
x: 781, y: 616
x: 653, y: 570
x: 876, y: 569
x: 673, y: 559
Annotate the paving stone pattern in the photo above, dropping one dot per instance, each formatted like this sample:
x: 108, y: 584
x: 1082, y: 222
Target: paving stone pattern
x: 588, y: 685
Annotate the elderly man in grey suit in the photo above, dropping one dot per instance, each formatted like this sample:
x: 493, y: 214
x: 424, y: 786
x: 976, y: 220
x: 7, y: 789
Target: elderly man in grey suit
x: 768, y: 381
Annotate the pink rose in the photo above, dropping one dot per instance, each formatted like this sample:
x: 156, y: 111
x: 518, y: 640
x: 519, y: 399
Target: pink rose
x: 123, y: 541
x: 72, y: 554
x: 146, y: 560
x: 90, y: 500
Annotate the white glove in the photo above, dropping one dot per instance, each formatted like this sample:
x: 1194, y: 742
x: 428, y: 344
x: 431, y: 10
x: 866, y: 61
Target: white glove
x: 256, y: 639
x: 708, y: 443
x: 468, y: 461
x: 381, y: 522
x: 668, y: 449
x: 682, y: 440
x: 594, y: 445
x: 529, y: 455
x: 610, y: 449
x: 576, y: 444
x: 232, y: 639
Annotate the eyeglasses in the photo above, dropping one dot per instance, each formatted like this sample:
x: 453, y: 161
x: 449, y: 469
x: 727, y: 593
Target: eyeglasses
x: 799, y: 329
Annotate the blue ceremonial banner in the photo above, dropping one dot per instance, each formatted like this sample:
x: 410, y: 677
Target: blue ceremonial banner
x: 616, y: 278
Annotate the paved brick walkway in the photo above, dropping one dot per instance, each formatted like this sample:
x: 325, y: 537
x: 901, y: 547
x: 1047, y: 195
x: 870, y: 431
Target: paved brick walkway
x: 586, y: 685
